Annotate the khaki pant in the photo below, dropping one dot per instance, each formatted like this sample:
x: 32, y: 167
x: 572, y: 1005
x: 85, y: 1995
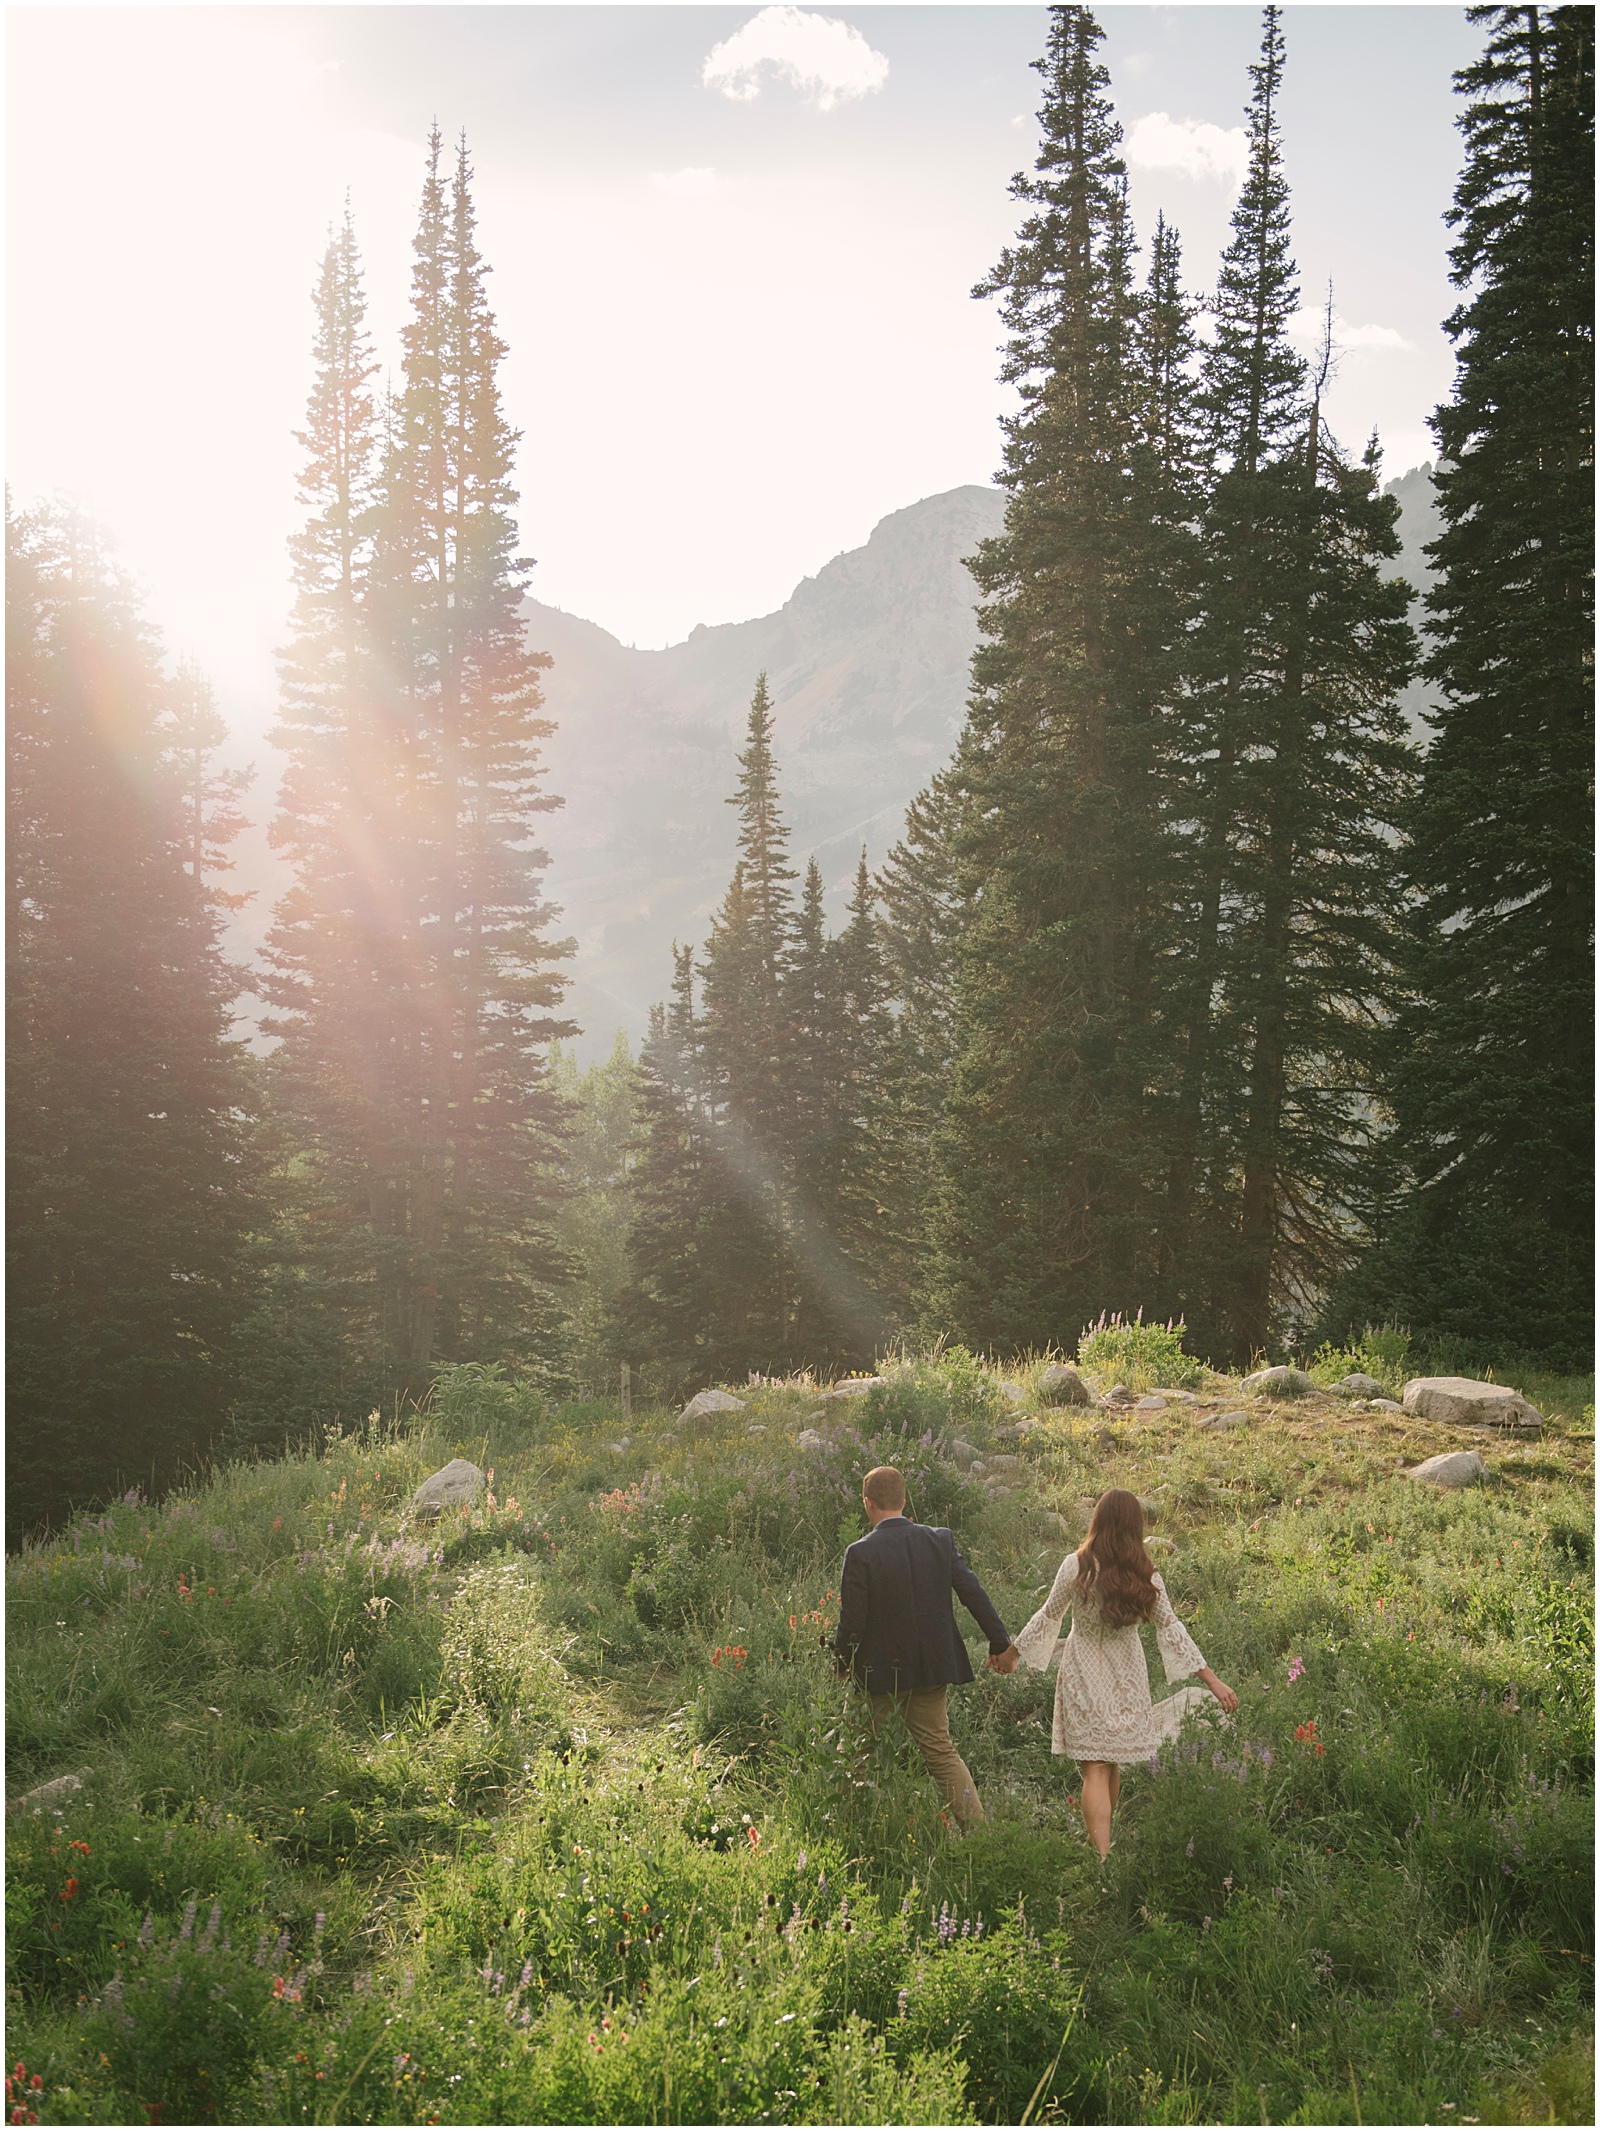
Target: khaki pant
x: 928, y: 1721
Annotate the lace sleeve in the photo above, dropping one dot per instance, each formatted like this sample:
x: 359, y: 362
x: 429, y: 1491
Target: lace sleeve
x: 1180, y: 1653
x: 1036, y: 1644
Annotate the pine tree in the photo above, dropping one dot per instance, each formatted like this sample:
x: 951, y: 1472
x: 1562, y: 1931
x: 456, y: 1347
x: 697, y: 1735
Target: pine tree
x: 130, y: 1161
x: 413, y: 967
x: 1492, y: 1081
x: 1298, y: 774
x: 1042, y: 1212
x: 746, y: 1053
x: 672, y: 1308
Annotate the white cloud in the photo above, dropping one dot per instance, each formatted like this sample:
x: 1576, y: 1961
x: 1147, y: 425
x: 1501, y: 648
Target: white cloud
x: 697, y: 184
x: 826, y: 60
x: 1306, y: 327
x: 1190, y: 146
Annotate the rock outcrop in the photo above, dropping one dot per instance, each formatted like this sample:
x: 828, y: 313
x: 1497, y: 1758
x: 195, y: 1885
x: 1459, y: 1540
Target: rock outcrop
x: 1061, y: 1386
x: 453, y: 1486
x: 706, y: 1403
x: 1277, y: 1383
x: 1463, y: 1402
x: 1452, y: 1468
x: 1358, y: 1386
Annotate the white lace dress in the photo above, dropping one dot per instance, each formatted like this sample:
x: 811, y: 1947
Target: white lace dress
x: 1103, y: 1706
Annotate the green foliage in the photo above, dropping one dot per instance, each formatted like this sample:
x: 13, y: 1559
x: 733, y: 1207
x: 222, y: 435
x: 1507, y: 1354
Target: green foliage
x: 1490, y: 1236
x: 1129, y: 1351
x: 131, y: 1170
x: 461, y: 1833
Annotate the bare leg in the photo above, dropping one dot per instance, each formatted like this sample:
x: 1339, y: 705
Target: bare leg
x: 1101, y: 1783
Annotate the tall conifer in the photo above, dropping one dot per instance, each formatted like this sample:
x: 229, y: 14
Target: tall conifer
x: 1298, y: 774
x: 1493, y: 1081
x: 130, y: 1164
x: 1041, y: 1213
x: 415, y: 1026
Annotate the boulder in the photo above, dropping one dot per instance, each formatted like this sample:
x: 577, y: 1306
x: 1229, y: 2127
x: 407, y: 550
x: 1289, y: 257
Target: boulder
x: 1004, y: 1464
x: 808, y: 1439
x: 1359, y: 1386
x: 1182, y: 1398
x: 1118, y: 1395
x: 1388, y: 1405
x: 451, y: 1487
x: 1157, y: 1543
x: 705, y: 1403
x: 1152, y: 1402
x: 1226, y: 1420
x: 1056, y: 1521
x: 1277, y: 1383
x: 1462, y: 1402
x: 1061, y: 1386
x: 52, y: 1796
x: 1151, y: 1505
x: 1014, y: 1392
x: 1452, y: 1468
x: 853, y: 1386
x: 963, y: 1454
x: 755, y: 1428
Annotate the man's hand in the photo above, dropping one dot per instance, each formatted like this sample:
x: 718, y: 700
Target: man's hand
x: 1005, y: 1662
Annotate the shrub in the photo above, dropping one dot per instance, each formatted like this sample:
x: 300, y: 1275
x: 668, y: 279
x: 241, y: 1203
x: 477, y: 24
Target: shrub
x: 1139, y: 1354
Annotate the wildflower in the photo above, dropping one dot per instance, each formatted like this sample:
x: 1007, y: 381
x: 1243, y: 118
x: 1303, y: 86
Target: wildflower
x: 1205, y: 1925
x: 1296, y: 1668
x: 755, y: 1838
x: 1188, y: 1848
x: 69, y: 1892
x: 902, y: 2001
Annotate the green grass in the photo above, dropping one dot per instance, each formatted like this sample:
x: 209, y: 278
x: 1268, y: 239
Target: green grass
x: 556, y: 1813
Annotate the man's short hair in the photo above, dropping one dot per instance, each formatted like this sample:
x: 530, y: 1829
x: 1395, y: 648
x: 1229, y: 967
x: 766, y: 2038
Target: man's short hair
x: 885, y: 1488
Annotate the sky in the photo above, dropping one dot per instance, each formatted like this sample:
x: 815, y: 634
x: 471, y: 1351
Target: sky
x: 733, y: 251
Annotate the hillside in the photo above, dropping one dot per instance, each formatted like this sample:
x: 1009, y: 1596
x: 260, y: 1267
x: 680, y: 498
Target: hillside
x: 553, y: 1811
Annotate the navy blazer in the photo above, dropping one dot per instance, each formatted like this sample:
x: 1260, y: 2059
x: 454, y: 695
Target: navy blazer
x: 897, y: 1628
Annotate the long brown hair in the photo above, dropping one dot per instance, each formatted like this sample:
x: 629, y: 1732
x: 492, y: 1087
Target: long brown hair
x: 1113, y: 1566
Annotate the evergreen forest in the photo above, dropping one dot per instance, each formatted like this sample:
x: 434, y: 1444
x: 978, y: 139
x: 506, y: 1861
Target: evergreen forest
x: 1205, y: 1017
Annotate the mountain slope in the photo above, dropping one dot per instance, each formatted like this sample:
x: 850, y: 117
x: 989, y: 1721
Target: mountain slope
x: 867, y: 664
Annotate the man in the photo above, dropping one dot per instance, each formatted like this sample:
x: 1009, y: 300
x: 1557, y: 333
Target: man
x: 897, y: 1631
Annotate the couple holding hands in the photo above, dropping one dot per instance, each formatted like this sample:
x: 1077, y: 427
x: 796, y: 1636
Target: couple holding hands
x: 897, y: 1638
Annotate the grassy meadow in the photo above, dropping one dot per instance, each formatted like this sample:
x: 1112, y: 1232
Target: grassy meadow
x: 554, y: 1811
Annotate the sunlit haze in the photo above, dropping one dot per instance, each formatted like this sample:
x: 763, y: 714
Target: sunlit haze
x: 733, y: 252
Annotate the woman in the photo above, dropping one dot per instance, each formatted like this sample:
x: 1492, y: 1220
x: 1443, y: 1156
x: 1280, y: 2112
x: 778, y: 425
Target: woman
x: 1104, y: 1714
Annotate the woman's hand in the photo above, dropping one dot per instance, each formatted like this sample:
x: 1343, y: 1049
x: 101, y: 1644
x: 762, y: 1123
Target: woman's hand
x: 1220, y: 1688
x: 1004, y: 1660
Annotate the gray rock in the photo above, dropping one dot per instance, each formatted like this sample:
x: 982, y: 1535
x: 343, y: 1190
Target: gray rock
x: 1152, y: 1402
x: 1061, y: 1386
x: 620, y: 1446
x: 51, y: 1796
x: 853, y: 1386
x: 1004, y: 1464
x: 1118, y: 1395
x: 808, y: 1439
x: 1158, y: 1543
x: 1056, y: 1521
x: 1014, y: 1392
x: 1234, y: 1419
x: 962, y: 1453
x: 1359, y: 1386
x: 977, y: 1465
x: 451, y: 1487
x: 1182, y: 1398
x: 1151, y: 1505
x: 1463, y: 1402
x: 1277, y: 1383
x: 705, y: 1403
x: 755, y: 1428
x: 1452, y: 1468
